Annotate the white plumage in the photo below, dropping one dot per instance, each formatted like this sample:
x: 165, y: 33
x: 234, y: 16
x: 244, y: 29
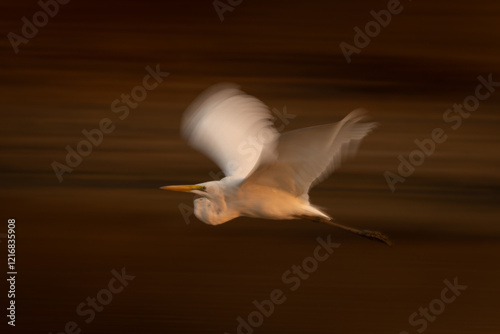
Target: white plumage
x: 268, y: 175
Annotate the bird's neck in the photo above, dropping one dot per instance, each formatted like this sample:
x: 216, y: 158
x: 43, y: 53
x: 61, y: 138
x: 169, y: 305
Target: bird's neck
x: 213, y: 213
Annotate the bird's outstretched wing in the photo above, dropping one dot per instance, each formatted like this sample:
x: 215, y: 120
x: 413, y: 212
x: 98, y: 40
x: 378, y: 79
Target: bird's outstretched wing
x: 307, y: 156
x: 232, y: 128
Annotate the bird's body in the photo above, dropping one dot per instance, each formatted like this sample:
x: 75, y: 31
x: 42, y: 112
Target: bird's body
x: 271, y: 203
x: 231, y: 198
x: 268, y: 174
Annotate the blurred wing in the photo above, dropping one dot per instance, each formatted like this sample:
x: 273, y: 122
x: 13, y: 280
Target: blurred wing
x: 232, y: 128
x: 307, y: 156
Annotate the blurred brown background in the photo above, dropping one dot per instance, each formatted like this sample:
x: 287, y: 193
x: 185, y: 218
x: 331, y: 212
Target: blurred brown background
x: 195, y: 278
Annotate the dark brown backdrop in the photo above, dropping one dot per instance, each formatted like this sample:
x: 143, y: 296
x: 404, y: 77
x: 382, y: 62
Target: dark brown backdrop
x: 194, y: 278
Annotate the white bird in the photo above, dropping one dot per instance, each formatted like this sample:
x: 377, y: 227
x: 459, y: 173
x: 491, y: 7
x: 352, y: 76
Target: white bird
x: 267, y: 174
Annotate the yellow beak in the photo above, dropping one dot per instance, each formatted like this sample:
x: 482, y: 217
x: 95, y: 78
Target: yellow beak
x: 186, y: 189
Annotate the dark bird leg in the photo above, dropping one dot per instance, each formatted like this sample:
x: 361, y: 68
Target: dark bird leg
x: 373, y: 235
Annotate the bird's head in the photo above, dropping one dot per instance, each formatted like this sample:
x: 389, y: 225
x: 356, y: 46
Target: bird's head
x: 207, y: 190
x: 208, y: 203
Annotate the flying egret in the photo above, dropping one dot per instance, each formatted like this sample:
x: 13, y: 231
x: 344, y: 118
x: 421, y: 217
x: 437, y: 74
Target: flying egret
x: 268, y: 174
